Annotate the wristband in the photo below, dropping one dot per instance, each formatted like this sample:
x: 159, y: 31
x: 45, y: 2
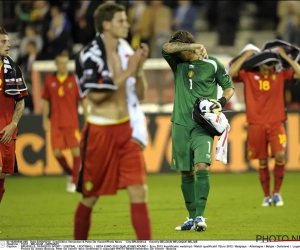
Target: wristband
x: 222, y: 101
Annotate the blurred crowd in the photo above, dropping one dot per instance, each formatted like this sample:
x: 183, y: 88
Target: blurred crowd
x: 47, y: 28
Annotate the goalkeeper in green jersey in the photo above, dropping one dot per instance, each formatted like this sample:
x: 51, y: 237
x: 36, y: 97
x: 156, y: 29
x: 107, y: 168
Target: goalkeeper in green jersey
x: 196, y: 75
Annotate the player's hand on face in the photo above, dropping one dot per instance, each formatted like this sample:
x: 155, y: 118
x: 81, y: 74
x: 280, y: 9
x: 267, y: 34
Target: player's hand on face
x: 8, y: 132
x: 201, y: 51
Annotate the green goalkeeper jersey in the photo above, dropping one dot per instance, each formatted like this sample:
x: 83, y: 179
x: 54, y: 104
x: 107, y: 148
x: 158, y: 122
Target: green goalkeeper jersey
x: 193, y: 80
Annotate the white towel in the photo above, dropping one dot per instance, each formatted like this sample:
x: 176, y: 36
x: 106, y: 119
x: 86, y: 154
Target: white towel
x: 219, y: 122
x: 222, y: 145
x: 137, y: 116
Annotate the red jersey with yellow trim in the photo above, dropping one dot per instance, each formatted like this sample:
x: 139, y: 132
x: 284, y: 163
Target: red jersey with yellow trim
x: 264, y: 95
x: 7, y: 104
x: 63, y: 96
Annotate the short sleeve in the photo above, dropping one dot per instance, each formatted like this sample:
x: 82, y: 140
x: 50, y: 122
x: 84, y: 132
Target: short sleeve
x: 91, y: 73
x: 288, y: 74
x: 222, y: 76
x: 45, y: 93
x: 172, y: 60
x: 240, y: 77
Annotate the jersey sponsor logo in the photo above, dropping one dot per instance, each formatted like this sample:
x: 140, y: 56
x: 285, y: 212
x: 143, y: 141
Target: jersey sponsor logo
x: 190, y: 74
x: 256, y: 77
x: 207, y: 156
x: 70, y: 85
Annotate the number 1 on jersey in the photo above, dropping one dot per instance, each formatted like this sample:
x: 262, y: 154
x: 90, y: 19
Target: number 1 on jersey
x: 191, y: 83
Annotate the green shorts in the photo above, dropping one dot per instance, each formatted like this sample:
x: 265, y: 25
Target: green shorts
x: 190, y: 146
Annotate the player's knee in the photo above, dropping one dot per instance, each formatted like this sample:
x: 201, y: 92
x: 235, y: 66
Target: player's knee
x: 280, y: 157
x: 3, y: 175
x: 57, y: 153
x: 187, y: 173
x: 89, y: 201
x: 201, y: 166
x: 263, y: 163
x: 137, y: 193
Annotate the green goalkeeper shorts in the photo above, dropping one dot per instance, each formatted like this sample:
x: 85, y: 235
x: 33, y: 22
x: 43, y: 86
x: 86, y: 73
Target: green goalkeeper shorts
x: 190, y: 146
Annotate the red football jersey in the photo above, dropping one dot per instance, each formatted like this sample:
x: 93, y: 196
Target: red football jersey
x: 63, y: 98
x: 7, y: 104
x: 264, y: 95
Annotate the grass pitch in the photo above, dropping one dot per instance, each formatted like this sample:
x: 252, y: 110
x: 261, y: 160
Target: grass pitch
x: 40, y: 209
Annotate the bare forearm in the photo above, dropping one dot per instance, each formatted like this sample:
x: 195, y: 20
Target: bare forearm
x: 171, y: 48
x: 236, y: 66
x: 45, y: 110
x: 84, y: 104
x: 120, y: 80
x: 228, y: 93
x: 141, y: 85
x: 294, y: 65
x: 19, y: 109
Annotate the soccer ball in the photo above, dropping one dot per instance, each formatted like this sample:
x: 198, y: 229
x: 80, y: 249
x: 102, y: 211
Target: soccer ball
x: 205, y: 105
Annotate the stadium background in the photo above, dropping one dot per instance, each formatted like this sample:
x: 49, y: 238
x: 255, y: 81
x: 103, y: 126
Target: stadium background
x: 224, y: 27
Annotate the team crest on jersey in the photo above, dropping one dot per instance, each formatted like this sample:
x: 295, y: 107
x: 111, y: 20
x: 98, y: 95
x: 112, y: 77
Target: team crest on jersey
x: 53, y: 84
x: 70, y: 85
x: 190, y: 74
x: 273, y: 77
x: 88, y: 185
x: 250, y: 153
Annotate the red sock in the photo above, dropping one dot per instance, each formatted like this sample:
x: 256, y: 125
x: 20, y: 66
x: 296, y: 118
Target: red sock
x: 2, y: 188
x: 141, y: 221
x: 63, y: 162
x: 264, y: 176
x: 82, y: 222
x: 278, y: 176
x: 76, y: 167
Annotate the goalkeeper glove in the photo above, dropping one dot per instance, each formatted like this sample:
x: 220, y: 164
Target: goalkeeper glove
x: 216, y: 108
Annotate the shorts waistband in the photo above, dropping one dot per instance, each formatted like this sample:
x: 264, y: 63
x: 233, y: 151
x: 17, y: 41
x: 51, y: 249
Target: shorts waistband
x: 98, y: 120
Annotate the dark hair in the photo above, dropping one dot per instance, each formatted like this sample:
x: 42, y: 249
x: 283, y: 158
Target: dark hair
x: 271, y: 63
x: 105, y: 12
x: 3, y: 31
x: 182, y: 36
x: 64, y: 53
